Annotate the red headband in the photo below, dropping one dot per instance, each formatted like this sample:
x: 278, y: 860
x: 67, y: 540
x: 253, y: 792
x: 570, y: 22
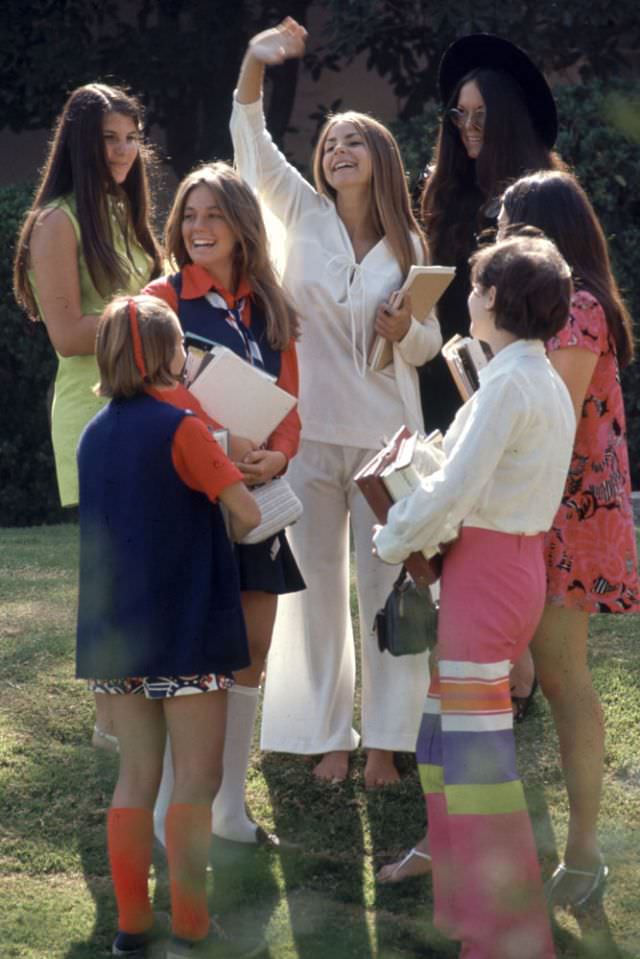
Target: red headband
x: 138, y: 355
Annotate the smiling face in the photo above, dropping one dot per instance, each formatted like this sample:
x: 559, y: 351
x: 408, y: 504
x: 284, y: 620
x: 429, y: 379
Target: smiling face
x: 470, y: 116
x: 346, y: 159
x: 207, y: 236
x: 121, y: 144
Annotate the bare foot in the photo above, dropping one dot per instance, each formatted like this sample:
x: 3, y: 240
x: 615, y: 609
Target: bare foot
x: 417, y: 862
x: 380, y: 769
x: 333, y: 767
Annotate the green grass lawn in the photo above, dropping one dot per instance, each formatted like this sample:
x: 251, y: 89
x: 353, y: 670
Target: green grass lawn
x: 316, y: 899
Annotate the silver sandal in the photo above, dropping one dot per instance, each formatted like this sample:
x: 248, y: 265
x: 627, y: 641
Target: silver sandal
x: 403, y: 862
x: 591, y: 895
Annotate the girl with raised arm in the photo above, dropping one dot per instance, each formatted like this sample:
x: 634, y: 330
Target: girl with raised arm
x: 350, y: 241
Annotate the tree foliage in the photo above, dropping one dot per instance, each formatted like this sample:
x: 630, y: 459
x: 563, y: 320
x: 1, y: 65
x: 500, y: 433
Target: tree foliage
x: 403, y: 40
x: 181, y: 56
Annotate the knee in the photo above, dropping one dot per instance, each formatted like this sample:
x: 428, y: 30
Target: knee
x: 198, y: 783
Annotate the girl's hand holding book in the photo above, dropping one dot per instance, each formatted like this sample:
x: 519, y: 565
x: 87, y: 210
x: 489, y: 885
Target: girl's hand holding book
x: 239, y: 446
x: 260, y: 466
x: 393, y: 318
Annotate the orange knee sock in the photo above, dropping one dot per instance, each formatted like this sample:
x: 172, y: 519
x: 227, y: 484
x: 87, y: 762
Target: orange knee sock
x: 188, y: 833
x: 130, y: 843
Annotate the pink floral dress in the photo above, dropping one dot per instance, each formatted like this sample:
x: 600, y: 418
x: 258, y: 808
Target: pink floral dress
x: 591, y: 547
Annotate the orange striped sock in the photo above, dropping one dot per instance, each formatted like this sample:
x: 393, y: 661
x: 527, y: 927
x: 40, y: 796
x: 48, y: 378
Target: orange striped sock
x: 130, y: 844
x: 188, y: 834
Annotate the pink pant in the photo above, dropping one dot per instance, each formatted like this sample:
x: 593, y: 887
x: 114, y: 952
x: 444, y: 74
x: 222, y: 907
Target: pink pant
x: 487, y: 886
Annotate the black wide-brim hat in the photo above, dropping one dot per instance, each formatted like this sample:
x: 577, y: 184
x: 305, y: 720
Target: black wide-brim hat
x: 487, y: 51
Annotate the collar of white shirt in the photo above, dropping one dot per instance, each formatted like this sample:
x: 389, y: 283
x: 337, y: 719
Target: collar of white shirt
x: 509, y: 356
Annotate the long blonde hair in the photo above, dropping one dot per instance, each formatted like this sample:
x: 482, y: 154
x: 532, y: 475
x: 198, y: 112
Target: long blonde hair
x: 251, y: 262
x: 389, y: 197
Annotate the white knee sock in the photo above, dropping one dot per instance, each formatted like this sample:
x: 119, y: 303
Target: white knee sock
x: 163, y: 798
x: 230, y: 819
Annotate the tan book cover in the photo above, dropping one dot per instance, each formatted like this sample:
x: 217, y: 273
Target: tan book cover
x: 425, y: 285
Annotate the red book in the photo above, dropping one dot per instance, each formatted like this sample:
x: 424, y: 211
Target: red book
x: 422, y: 570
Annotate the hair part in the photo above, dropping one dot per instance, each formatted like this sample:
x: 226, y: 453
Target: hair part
x: 457, y: 188
x: 159, y: 329
x: 76, y: 163
x: 251, y: 261
x: 532, y: 283
x: 389, y: 199
x: 554, y: 202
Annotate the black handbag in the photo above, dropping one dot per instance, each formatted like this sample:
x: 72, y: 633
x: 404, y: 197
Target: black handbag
x: 408, y: 623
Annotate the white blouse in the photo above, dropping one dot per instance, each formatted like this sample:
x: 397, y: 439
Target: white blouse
x: 341, y: 401
x: 508, y: 453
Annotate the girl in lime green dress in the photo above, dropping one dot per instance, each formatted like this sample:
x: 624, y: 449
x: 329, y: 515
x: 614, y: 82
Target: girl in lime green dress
x: 86, y: 238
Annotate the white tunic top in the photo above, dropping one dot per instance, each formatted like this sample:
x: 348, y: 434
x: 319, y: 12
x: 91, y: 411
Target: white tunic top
x: 341, y: 401
x: 508, y: 453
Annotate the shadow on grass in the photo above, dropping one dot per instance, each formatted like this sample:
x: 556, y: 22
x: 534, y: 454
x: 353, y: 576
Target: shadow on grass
x: 322, y: 860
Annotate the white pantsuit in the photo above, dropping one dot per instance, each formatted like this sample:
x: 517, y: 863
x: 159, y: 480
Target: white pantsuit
x: 346, y: 410
x: 309, y: 690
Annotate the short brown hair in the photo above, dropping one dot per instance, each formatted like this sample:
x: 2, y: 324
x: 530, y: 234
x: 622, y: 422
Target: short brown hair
x: 159, y: 329
x: 532, y: 282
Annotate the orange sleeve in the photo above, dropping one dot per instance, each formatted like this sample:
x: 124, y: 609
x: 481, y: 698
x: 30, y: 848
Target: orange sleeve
x: 286, y: 437
x: 163, y: 290
x: 200, y: 461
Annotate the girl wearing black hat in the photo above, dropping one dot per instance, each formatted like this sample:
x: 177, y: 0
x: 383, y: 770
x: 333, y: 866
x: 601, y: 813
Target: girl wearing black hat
x: 499, y: 122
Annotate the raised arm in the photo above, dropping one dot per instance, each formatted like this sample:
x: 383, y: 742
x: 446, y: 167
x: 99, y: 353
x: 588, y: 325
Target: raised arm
x: 258, y: 161
x: 54, y: 261
x: 269, y: 48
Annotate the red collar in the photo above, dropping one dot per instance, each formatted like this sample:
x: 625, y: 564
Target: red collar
x: 197, y: 282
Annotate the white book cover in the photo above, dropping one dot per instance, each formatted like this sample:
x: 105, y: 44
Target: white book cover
x: 240, y: 397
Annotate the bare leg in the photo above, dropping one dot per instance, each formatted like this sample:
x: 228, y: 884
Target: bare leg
x: 333, y: 767
x: 560, y: 655
x: 380, y: 769
x: 139, y: 725
x: 417, y: 862
x: 196, y: 727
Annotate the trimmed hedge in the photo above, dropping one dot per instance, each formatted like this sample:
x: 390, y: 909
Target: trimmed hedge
x: 597, y: 140
x: 27, y: 368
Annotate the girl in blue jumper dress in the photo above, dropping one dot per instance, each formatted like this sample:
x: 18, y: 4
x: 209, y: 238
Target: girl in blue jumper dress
x: 160, y: 624
x: 226, y: 292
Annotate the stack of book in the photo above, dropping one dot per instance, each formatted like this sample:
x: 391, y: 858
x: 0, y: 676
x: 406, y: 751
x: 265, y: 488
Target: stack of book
x: 394, y: 473
x: 465, y: 357
x: 239, y: 396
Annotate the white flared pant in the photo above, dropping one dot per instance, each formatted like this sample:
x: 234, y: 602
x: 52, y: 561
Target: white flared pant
x: 310, y: 681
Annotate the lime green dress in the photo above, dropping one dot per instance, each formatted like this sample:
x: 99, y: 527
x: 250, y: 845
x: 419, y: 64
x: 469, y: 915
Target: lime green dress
x: 74, y: 402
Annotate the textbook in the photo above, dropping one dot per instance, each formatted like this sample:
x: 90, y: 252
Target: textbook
x: 465, y: 357
x: 394, y: 473
x: 239, y: 396
x: 425, y: 285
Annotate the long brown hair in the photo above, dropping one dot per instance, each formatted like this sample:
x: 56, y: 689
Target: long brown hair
x: 251, y: 262
x: 389, y: 200
x: 76, y: 163
x: 555, y: 202
x: 457, y: 187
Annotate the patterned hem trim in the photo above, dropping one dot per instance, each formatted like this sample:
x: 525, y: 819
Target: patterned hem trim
x: 162, y: 687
